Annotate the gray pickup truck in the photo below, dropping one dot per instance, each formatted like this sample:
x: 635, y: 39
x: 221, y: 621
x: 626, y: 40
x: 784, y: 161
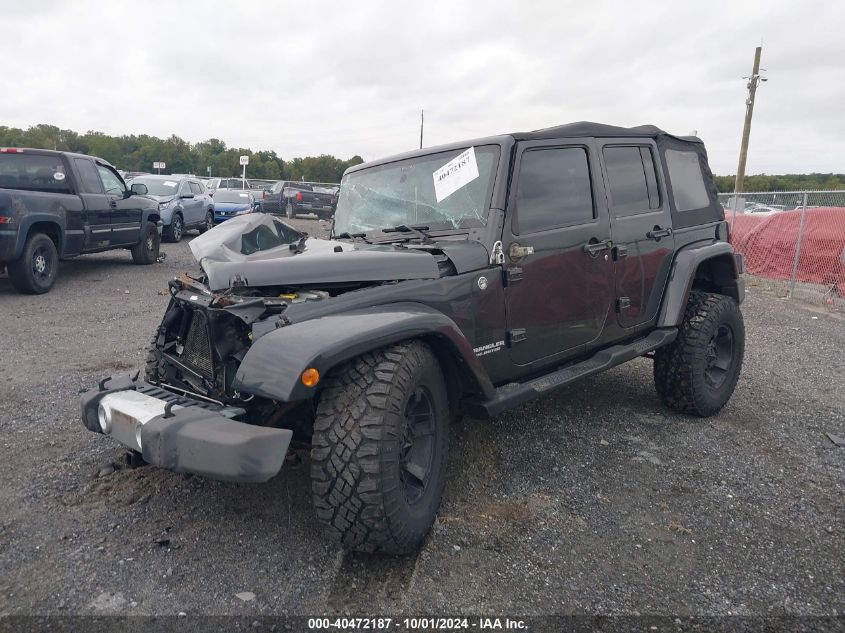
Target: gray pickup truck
x: 56, y: 205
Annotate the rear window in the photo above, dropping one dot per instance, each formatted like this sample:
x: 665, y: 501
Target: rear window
x: 33, y: 173
x: 688, y: 189
x: 630, y: 174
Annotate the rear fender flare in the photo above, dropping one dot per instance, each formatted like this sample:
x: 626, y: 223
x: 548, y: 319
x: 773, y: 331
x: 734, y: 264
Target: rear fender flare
x: 684, y: 269
x: 273, y: 365
x: 29, y: 220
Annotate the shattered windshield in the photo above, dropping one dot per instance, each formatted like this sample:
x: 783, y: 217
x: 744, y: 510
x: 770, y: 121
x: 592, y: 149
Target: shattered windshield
x: 443, y: 191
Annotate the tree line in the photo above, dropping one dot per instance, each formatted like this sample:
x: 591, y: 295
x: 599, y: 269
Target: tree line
x: 212, y: 157
x: 784, y: 182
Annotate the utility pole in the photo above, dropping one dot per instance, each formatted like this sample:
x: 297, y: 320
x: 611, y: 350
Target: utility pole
x: 753, y: 81
x: 422, y: 123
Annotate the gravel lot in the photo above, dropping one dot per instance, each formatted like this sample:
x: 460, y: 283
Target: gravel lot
x: 592, y: 500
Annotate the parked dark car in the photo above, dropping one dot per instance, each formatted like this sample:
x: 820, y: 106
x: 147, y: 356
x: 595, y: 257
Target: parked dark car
x: 471, y: 277
x: 228, y: 203
x: 292, y: 198
x: 184, y: 203
x: 56, y: 205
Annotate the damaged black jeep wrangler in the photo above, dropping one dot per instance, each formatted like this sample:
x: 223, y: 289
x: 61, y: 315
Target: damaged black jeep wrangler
x: 471, y: 278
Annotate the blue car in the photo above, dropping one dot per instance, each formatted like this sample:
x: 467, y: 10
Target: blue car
x: 229, y: 203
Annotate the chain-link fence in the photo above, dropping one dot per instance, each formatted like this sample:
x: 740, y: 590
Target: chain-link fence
x: 793, y: 242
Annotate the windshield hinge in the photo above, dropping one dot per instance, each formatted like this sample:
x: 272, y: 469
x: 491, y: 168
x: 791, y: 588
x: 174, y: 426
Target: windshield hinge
x: 497, y: 256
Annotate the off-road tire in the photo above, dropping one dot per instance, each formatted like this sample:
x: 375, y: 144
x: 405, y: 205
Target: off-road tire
x: 170, y: 231
x: 359, y: 494
x: 146, y: 250
x: 154, y: 363
x: 34, y: 272
x: 289, y: 212
x: 680, y: 368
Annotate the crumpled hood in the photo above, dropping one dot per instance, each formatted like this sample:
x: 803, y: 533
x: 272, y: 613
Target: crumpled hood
x: 258, y: 250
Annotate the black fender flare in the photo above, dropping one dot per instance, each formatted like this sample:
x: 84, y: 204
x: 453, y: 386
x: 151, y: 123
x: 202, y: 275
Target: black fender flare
x: 274, y: 364
x: 29, y: 220
x: 682, y: 275
x: 150, y: 215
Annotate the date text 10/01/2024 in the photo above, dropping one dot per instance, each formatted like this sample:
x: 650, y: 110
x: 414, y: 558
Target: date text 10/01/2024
x: 417, y: 624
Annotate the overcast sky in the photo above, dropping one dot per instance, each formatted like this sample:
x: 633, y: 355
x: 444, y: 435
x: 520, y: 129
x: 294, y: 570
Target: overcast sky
x: 345, y: 78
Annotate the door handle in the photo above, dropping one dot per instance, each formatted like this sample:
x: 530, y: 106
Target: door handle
x: 594, y: 247
x: 113, y: 204
x: 656, y: 233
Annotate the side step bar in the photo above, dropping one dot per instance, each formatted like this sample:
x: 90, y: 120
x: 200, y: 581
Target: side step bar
x: 515, y: 394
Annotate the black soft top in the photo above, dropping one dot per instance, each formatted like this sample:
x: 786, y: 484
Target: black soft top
x: 713, y: 212
x: 599, y: 130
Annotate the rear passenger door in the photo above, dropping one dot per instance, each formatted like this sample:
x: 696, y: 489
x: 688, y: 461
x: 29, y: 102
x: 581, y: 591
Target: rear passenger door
x: 641, y: 226
x: 556, y: 243
x: 97, y: 216
x: 200, y: 198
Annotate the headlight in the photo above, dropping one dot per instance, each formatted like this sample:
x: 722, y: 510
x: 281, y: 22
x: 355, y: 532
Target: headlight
x: 104, y: 416
x: 138, y: 428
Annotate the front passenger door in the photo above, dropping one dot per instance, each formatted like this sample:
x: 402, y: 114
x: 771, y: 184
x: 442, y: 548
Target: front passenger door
x: 559, y: 278
x: 190, y: 204
x: 125, y: 213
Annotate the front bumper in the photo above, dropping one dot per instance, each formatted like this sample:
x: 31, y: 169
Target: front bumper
x: 183, y: 434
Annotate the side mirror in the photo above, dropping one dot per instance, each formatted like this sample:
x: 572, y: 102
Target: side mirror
x: 186, y: 196
x: 139, y: 189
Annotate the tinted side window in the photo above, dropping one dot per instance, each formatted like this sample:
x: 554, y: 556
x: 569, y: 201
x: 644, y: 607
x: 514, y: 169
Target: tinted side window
x: 688, y: 189
x: 33, y: 172
x: 631, y: 176
x: 89, y: 176
x: 110, y: 180
x: 196, y: 188
x: 553, y: 189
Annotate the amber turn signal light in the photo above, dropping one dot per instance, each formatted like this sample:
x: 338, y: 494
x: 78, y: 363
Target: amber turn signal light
x: 310, y: 377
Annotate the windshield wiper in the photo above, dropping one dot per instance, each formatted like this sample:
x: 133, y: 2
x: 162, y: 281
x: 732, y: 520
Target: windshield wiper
x: 351, y: 236
x: 418, y: 229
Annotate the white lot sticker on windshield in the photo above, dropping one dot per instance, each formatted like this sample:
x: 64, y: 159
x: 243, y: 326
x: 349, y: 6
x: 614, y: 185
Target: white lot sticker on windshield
x: 170, y: 183
x: 244, y: 195
x: 457, y: 173
x: 58, y: 176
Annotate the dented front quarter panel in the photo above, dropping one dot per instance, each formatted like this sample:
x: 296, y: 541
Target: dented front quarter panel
x: 272, y: 367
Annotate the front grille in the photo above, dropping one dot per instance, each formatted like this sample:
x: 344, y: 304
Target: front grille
x: 197, y: 351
